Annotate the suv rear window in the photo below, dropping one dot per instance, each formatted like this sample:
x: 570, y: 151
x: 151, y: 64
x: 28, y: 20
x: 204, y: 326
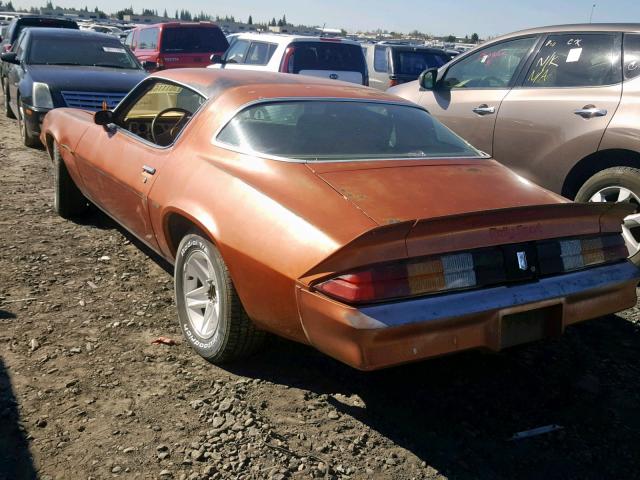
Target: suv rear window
x: 316, y: 130
x: 326, y: 56
x: 193, y: 40
x: 409, y: 62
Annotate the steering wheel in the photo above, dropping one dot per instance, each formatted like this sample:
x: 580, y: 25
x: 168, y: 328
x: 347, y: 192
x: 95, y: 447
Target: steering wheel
x: 185, y: 114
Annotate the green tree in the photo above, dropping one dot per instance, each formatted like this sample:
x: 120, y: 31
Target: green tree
x: 284, y: 20
x: 177, y: 15
x: 9, y: 7
x: 475, y: 38
x: 450, y: 39
x: 250, y: 21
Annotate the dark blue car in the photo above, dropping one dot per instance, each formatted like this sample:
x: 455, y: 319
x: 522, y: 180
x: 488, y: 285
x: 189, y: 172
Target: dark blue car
x: 53, y: 67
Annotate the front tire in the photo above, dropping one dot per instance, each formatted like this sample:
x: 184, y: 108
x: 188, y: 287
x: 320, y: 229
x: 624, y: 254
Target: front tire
x: 68, y: 200
x: 209, y: 310
x: 28, y: 139
x: 614, y: 185
x: 7, y: 108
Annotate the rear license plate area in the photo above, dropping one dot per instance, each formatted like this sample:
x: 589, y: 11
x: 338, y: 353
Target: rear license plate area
x: 530, y: 325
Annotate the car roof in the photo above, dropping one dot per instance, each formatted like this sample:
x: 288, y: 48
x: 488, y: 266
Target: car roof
x: 37, y: 17
x: 576, y: 27
x: 178, y: 25
x: 248, y: 86
x: 288, y: 38
x: 66, y: 32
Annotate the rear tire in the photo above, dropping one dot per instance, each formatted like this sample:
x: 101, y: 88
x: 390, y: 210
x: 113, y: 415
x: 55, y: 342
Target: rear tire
x: 7, y: 108
x: 28, y: 139
x: 618, y: 184
x: 209, y: 310
x: 68, y: 200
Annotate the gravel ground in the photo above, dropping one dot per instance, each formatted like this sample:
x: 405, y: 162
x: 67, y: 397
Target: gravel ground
x: 84, y: 394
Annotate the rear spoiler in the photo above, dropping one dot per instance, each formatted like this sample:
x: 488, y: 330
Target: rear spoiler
x: 416, y: 238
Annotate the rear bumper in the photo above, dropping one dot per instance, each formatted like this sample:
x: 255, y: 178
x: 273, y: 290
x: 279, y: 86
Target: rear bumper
x: 377, y: 336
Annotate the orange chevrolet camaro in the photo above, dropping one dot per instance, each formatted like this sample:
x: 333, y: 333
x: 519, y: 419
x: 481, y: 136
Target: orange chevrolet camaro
x: 337, y: 216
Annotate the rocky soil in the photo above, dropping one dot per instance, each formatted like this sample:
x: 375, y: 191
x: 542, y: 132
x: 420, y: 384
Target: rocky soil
x: 85, y: 394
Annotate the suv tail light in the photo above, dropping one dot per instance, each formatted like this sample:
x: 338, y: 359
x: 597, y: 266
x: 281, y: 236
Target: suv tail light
x: 7, y: 48
x: 287, y: 61
x: 160, y: 62
x: 393, y: 82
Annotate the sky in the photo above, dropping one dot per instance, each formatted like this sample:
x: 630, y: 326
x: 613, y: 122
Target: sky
x: 437, y: 17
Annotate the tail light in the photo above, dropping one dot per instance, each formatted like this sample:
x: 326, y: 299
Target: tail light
x: 287, y: 61
x: 417, y: 277
x: 473, y: 269
x: 160, y: 62
x: 6, y: 48
x: 570, y: 254
x: 393, y: 82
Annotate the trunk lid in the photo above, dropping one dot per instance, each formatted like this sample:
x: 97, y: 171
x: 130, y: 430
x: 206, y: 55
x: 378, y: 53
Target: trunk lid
x: 393, y: 192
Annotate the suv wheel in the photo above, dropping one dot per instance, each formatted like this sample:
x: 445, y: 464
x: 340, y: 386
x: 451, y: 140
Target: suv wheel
x: 210, y: 313
x: 618, y: 184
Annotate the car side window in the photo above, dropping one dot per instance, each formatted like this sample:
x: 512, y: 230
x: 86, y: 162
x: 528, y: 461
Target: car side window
x: 380, y: 59
x: 576, y: 60
x: 631, y: 66
x: 20, y: 45
x: 129, y: 40
x: 260, y: 53
x: 160, y: 112
x: 237, y: 51
x: 149, y: 39
x: 491, y: 67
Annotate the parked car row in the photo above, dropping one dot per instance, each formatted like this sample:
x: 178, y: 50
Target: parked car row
x: 334, y: 214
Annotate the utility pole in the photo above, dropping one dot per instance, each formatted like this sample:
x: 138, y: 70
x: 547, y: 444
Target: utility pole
x: 591, y: 16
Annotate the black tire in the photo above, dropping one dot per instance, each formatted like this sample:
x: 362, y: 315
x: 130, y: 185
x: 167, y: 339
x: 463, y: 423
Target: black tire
x: 7, y: 108
x: 68, y: 200
x: 28, y: 139
x: 626, y: 177
x: 235, y: 336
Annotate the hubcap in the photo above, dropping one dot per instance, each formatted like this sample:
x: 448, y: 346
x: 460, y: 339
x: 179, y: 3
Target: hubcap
x: 631, y: 225
x: 201, y: 294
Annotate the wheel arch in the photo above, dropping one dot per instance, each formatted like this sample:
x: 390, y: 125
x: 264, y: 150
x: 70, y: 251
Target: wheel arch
x: 594, y: 163
x: 177, y: 224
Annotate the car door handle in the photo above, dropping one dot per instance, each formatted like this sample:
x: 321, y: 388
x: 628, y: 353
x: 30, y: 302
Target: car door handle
x: 484, y: 109
x: 148, y: 169
x: 590, y: 111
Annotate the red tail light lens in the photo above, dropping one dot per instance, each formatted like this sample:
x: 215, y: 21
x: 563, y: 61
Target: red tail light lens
x: 287, y: 61
x: 7, y: 48
x: 393, y: 82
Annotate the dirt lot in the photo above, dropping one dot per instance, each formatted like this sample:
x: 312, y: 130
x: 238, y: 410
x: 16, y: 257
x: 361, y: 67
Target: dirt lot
x: 84, y: 393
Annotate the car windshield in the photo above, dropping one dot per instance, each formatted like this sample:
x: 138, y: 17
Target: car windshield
x: 407, y: 62
x: 85, y: 52
x: 315, y: 130
x: 193, y: 39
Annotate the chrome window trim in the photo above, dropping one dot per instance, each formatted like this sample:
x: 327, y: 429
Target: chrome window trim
x: 247, y: 151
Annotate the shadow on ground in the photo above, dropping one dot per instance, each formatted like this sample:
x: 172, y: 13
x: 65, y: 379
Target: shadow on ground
x: 15, y: 459
x: 458, y: 413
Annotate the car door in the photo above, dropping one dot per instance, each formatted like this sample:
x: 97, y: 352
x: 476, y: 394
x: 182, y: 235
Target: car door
x: 469, y: 92
x: 15, y: 72
x: 119, y: 163
x: 559, y: 112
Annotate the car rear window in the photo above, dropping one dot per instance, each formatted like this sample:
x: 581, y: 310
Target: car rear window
x: 193, y: 40
x: 42, y: 22
x: 326, y: 56
x: 76, y: 51
x: 407, y: 62
x: 318, y: 130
